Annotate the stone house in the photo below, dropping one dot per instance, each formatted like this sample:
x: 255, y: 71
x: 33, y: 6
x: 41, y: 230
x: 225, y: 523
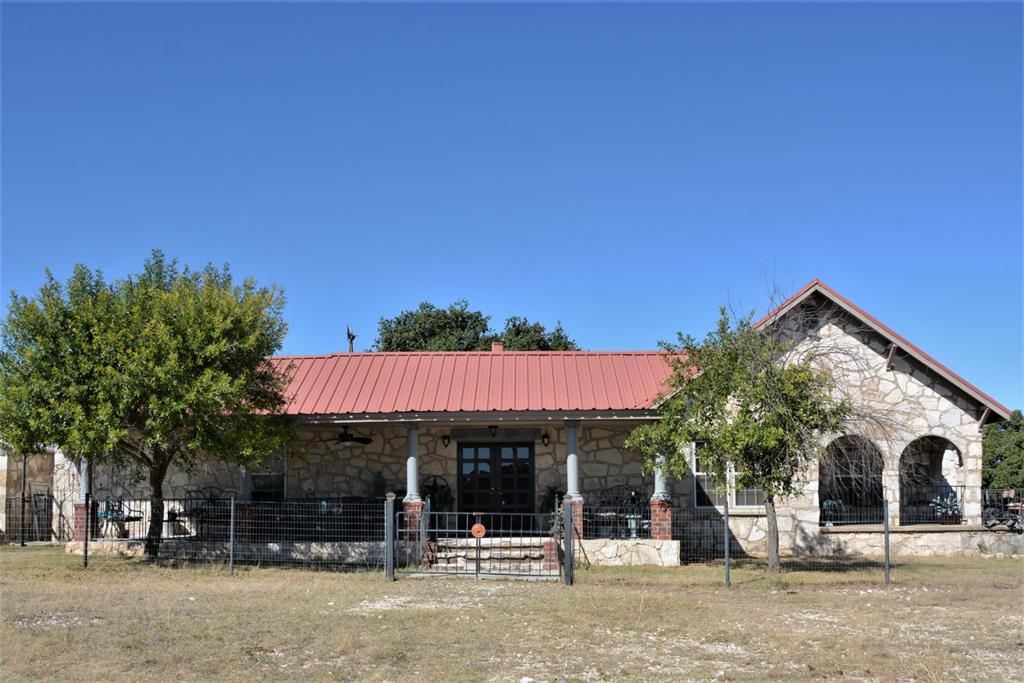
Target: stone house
x: 505, y: 432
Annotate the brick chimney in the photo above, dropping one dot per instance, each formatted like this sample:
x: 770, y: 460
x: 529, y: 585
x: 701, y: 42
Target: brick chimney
x: 497, y: 346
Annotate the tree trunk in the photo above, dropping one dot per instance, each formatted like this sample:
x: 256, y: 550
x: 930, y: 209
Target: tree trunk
x: 156, y: 510
x: 773, y: 535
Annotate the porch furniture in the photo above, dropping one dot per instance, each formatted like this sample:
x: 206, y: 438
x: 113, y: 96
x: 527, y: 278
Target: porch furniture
x: 115, y: 517
x: 620, y: 512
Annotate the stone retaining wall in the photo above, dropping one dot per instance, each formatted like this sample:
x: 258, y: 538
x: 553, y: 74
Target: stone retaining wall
x: 629, y: 552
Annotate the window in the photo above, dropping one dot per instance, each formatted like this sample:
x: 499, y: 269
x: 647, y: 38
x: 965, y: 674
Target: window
x: 268, y: 480
x: 708, y: 495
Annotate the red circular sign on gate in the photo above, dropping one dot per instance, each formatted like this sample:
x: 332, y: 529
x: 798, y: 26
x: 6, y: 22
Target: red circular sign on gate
x: 478, y: 530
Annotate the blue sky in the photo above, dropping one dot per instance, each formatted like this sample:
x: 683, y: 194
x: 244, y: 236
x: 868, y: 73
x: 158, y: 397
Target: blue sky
x: 623, y: 169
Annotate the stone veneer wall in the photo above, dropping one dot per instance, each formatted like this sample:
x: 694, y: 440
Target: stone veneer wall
x: 913, y: 399
x: 317, y: 468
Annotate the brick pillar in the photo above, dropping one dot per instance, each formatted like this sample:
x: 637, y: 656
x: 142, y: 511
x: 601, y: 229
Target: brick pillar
x: 413, y: 510
x: 79, y: 522
x: 577, y: 515
x: 661, y: 519
x: 550, y: 554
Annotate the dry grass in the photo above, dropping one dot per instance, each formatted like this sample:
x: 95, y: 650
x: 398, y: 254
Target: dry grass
x: 942, y: 619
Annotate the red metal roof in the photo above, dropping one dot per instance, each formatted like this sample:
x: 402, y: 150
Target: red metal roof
x: 372, y: 383
x: 892, y: 336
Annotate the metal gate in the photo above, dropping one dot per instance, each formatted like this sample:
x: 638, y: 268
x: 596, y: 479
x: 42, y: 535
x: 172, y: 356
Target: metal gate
x: 475, y: 544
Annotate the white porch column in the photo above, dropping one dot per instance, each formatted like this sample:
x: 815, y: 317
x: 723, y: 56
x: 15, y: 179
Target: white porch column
x: 660, y: 481
x: 83, y: 478
x: 244, y: 484
x: 572, y: 467
x: 412, y: 473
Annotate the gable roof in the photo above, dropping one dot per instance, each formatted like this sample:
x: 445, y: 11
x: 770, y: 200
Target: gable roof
x: 450, y: 382
x: 817, y: 286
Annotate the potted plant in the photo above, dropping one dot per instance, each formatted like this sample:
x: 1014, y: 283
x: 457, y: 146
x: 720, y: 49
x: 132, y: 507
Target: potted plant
x: 947, y: 509
x: 830, y: 511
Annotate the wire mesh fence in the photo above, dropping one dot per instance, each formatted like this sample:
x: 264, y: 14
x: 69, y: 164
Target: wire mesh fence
x: 1002, y: 508
x: 374, y: 533
x: 336, y: 533
x: 34, y: 518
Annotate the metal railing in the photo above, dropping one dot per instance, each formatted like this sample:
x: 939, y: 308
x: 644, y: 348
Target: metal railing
x: 618, y: 522
x: 322, y: 532
x: 483, y: 545
x: 931, y: 504
x: 1002, y: 508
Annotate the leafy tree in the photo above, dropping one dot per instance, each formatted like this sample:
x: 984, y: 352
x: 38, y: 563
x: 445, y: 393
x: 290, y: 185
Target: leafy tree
x: 522, y: 335
x: 1003, y: 453
x: 457, y: 328
x: 754, y: 406
x: 152, y: 371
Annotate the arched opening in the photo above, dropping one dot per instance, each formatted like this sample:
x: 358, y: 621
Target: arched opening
x: 930, y: 487
x: 850, y: 483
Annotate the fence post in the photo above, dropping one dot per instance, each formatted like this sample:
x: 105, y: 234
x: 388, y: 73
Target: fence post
x: 86, y: 531
x: 728, y: 577
x: 389, y: 537
x: 567, y: 533
x: 477, y: 563
x: 885, y: 532
x: 231, y: 538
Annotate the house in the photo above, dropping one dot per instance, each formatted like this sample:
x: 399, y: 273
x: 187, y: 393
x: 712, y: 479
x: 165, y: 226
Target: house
x: 504, y: 433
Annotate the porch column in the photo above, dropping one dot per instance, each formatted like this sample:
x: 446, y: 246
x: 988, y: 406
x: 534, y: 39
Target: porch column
x: 83, y: 479
x: 412, y: 504
x: 84, y: 487
x: 572, y: 465
x: 572, y: 475
x: 660, y: 481
x: 412, y: 469
x: 661, y: 505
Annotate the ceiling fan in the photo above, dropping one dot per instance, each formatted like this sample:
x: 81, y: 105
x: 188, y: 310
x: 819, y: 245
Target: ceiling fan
x: 347, y: 437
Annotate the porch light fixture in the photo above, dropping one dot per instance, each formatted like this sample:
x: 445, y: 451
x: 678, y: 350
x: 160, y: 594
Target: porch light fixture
x: 445, y: 440
x: 545, y: 439
x: 493, y: 429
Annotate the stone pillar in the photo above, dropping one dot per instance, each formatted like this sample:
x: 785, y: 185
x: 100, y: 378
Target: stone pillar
x: 661, y: 504
x: 971, y: 479
x: 891, y: 487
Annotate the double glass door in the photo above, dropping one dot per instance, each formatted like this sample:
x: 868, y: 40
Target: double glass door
x: 496, y: 477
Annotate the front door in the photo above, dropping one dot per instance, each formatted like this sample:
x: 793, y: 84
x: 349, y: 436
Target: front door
x: 496, y: 477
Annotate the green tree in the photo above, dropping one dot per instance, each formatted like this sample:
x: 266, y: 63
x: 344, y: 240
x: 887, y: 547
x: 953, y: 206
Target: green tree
x: 753, y: 405
x: 152, y: 371
x: 522, y: 335
x: 1003, y: 453
x: 457, y: 328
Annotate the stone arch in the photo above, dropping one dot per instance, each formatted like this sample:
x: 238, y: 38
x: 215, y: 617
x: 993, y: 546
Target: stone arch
x: 931, y: 481
x: 850, y: 482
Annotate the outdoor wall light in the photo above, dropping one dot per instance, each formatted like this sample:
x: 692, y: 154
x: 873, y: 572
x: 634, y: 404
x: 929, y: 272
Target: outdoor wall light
x: 445, y: 440
x: 493, y: 430
x: 545, y: 439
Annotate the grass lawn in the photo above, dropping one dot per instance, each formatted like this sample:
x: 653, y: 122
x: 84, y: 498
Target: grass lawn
x: 942, y: 619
